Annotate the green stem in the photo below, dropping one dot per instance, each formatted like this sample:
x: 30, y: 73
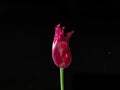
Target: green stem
x: 62, y: 78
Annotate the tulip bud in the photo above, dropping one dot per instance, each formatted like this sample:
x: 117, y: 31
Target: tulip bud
x: 61, y: 53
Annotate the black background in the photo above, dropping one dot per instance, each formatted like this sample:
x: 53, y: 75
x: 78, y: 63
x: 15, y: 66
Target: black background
x: 27, y: 30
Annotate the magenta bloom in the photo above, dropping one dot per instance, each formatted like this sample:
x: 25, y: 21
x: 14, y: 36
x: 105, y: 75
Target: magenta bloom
x: 61, y: 53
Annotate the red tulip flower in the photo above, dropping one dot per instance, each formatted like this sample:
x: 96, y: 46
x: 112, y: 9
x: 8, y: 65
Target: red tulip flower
x: 61, y: 53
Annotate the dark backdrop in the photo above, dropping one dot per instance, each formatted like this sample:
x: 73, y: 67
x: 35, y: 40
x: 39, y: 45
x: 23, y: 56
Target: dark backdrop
x: 27, y: 30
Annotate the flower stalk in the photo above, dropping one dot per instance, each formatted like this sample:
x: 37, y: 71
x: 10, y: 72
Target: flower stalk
x: 62, y: 78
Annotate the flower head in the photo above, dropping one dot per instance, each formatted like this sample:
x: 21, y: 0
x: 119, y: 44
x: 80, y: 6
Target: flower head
x: 61, y: 53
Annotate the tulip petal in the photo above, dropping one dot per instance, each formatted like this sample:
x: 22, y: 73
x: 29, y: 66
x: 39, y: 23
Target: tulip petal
x: 69, y: 34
